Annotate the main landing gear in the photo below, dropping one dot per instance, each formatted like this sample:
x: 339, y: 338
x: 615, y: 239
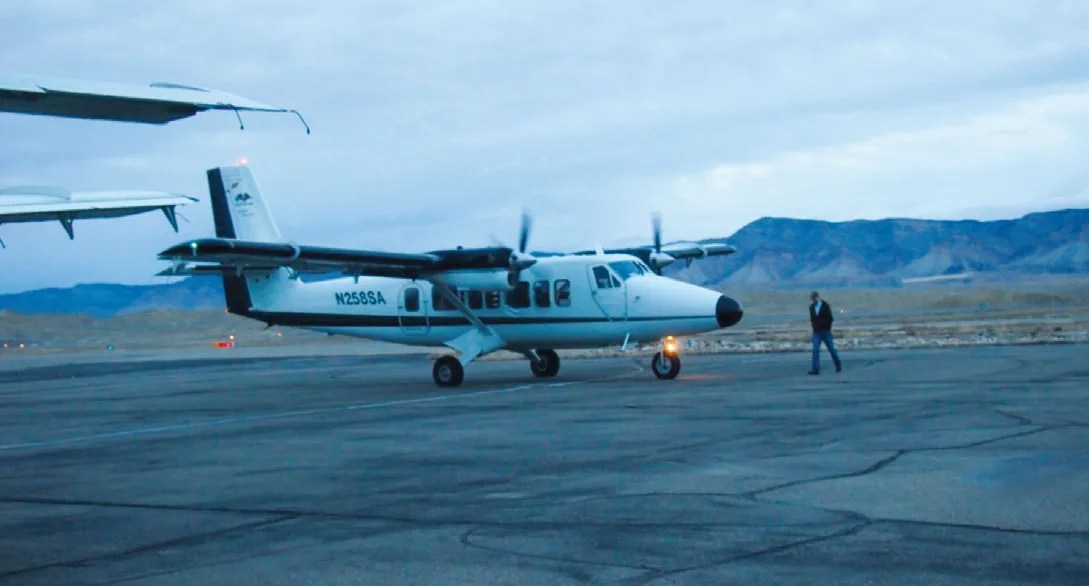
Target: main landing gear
x: 547, y: 363
x: 666, y: 363
x: 449, y: 372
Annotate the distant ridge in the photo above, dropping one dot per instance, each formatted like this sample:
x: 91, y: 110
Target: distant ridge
x: 886, y: 252
x: 105, y: 299
x: 770, y: 252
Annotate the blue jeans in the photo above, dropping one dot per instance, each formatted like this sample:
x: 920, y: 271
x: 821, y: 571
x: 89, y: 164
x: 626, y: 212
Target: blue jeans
x: 825, y: 337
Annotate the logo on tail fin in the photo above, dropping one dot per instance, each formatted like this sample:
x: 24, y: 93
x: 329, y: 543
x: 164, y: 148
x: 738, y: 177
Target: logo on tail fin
x: 243, y: 198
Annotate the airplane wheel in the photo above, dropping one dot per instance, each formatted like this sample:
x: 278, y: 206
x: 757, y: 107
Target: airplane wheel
x: 448, y: 372
x: 666, y: 367
x: 548, y: 366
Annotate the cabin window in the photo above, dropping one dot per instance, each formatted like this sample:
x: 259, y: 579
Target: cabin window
x: 492, y: 299
x: 602, y: 278
x: 439, y: 302
x: 476, y: 299
x: 563, y: 293
x: 541, y: 294
x: 412, y: 299
x: 519, y: 295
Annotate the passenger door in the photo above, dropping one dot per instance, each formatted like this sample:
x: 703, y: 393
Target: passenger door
x: 608, y: 292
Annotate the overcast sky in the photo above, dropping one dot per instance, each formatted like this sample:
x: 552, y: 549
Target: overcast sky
x: 435, y: 124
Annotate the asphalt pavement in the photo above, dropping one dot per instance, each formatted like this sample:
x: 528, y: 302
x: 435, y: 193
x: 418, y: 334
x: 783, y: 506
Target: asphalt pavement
x: 966, y: 466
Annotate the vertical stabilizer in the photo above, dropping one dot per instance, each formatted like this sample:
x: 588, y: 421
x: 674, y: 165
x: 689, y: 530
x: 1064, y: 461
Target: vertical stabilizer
x: 240, y: 213
x: 237, y: 206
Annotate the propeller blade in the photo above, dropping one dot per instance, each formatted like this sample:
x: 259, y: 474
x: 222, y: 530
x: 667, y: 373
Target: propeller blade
x: 656, y: 223
x: 523, y: 234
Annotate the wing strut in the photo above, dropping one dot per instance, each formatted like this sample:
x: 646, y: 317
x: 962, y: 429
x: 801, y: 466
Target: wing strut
x: 66, y: 222
x: 171, y: 216
x: 449, y: 295
x: 476, y: 342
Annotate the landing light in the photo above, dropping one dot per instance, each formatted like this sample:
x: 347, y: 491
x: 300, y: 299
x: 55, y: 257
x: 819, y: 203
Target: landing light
x: 670, y: 345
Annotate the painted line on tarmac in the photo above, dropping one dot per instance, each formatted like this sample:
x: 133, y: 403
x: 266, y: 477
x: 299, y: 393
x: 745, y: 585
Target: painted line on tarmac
x: 258, y: 418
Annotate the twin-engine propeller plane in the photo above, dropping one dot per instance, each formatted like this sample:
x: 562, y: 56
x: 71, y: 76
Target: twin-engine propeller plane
x: 473, y: 300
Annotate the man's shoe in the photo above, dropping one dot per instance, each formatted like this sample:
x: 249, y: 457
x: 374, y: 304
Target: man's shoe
x: 839, y: 368
x: 813, y: 372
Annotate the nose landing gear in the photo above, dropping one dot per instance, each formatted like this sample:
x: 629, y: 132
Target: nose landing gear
x: 666, y: 363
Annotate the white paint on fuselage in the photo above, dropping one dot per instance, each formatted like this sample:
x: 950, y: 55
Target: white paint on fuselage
x: 645, y: 308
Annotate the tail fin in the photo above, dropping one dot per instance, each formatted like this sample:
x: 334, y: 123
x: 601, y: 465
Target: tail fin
x: 240, y: 213
x: 237, y: 206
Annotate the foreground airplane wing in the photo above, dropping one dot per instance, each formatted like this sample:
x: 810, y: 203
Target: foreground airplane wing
x: 40, y: 204
x: 157, y: 103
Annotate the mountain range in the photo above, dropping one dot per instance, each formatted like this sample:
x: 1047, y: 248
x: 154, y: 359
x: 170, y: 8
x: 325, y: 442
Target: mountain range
x: 771, y: 252
x: 789, y: 252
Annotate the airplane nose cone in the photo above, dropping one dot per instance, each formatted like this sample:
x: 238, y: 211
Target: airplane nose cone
x: 727, y: 312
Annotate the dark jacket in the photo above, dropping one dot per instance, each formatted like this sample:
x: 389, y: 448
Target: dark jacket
x: 822, y: 322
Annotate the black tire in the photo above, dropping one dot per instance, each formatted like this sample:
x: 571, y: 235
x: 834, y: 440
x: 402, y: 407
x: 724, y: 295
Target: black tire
x: 448, y: 372
x: 665, y: 367
x: 548, y: 366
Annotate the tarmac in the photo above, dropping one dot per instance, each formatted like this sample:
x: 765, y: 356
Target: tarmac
x: 959, y: 466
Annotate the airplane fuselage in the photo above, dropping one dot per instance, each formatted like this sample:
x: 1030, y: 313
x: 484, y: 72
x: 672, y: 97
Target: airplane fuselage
x: 560, y: 302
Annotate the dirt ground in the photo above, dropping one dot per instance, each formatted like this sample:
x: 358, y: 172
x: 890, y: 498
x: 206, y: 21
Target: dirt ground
x: 1052, y: 311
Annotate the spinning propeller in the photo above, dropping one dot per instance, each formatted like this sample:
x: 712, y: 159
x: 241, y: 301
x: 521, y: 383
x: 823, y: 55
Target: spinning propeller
x: 658, y: 259
x: 520, y: 259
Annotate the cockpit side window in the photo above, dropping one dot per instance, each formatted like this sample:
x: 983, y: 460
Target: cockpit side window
x: 627, y: 268
x: 602, y: 278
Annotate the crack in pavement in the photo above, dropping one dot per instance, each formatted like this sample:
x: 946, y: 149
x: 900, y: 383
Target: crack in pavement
x: 427, y: 522
x: 884, y: 462
x: 976, y: 527
x: 466, y: 540
x: 184, y: 540
x: 1021, y: 420
x: 846, y: 532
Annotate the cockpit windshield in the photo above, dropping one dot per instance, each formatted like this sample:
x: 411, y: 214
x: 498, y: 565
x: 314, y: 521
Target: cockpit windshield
x: 629, y: 268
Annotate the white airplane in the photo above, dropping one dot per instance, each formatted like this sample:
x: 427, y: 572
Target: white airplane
x: 40, y: 204
x: 475, y: 301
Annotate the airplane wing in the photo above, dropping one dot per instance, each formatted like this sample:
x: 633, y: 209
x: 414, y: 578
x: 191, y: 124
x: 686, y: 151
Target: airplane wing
x: 157, y: 103
x: 220, y: 254
x: 40, y: 204
x: 674, y: 251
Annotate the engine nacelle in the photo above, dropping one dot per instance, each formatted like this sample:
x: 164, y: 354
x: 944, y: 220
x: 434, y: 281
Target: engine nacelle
x: 480, y: 280
x: 659, y: 260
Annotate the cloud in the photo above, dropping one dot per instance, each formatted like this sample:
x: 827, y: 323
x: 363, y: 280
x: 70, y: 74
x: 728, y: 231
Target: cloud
x: 436, y: 122
x: 1023, y: 156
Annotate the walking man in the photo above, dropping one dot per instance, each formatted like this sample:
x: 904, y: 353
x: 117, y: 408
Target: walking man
x: 820, y: 316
